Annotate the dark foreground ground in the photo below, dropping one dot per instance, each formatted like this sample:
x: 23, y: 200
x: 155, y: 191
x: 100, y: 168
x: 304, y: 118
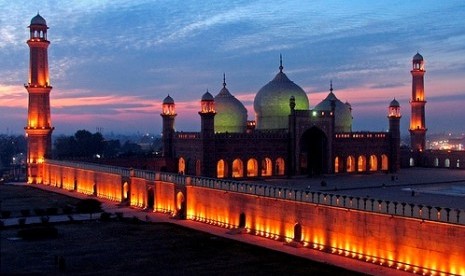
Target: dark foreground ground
x: 133, y: 247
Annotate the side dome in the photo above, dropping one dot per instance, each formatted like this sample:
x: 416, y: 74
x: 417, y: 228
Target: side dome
x: 231, y: 115
x: 168, y: 100
x: 271, y: 103
x: 207, y: 97
x: 394, y: 103
x: 38, y: 20
x: 342, y: 112
x: 417, y: 57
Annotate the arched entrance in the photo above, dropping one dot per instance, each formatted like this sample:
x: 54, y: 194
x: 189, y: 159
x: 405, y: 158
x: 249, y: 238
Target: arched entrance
x: 150, y: 198
x: 125, y: 192
x: 180, y: 205
x: 313, y: 152
x: 242, y: 220
x: 252, y: 167
x: 297, y: 232
x: 181, y: 165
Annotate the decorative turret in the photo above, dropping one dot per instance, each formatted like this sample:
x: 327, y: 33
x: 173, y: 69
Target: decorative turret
x: 207, y: 114
x: 394, y: 116
x: 417, y: 120
x: 207, y: 134
x: 39, y: 127
x: 168, y: 114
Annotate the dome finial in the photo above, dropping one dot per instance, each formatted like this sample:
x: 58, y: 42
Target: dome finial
x: 281, y: 63
x: 331, y: 86
x: 224, y: 80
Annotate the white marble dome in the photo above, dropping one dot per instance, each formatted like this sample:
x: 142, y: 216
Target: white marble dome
x: 271, y: 103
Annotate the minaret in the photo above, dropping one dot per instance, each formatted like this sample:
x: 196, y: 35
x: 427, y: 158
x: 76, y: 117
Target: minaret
x: 394, y: 116
x: 207, y: 133
x: 39, y: 128
x: 168, y: 114
x: 417, y: 119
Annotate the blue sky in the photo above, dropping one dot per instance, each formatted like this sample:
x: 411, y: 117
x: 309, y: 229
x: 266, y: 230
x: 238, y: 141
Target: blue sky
x: 112, y: 62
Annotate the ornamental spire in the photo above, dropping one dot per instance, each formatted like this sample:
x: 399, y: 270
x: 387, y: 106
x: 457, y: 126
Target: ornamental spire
x: 224, y: 80
x: 281, y: 63
x: 331, y: 86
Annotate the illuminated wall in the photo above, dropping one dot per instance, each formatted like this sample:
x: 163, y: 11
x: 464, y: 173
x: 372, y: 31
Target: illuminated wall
x: 422, y: 246
x: 165, y: 193
x: 409, y: 244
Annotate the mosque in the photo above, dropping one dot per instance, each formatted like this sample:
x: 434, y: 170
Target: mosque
x: 288, y: 138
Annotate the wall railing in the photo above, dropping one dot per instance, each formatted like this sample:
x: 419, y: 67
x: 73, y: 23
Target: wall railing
x: 368, y: 204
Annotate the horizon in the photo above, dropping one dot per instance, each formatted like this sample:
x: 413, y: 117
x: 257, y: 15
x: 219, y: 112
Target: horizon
x: 112, y: 63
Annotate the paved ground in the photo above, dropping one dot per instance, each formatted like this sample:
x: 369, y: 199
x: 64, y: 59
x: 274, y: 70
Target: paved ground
x: 432, y: 186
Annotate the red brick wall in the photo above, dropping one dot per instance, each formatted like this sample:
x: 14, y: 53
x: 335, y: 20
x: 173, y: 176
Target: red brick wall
x: 429, y: 245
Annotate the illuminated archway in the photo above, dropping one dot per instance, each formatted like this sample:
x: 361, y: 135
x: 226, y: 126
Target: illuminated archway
x: 361, y: 163
x: 125, y: 191
x: 384, y: 162
x: 198, y: 168
x: 436, y: 162
x: 252, y: 167
x: 180, y: 206
x: 280, y: 166
x: 179, y: 201
x: 150, y: 198
x: 337, y: 164
x: 373, y: 163
x: 237, y: 168
x: 221, y: 169
x: 447, y: 163
x: 181, y: 165
x: 297, y: 232
x: 350, y: 164
x: 267, y: 167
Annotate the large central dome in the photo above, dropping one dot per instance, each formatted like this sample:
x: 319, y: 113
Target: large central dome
x: 271, y: 103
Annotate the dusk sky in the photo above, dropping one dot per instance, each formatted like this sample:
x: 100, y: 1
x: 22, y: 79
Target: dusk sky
x: 113, y: 62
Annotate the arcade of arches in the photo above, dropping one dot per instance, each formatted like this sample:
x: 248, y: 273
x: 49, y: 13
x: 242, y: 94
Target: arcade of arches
x: 266, y: 166
x: 360, y: 164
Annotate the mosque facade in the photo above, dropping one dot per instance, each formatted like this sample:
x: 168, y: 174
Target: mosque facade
x: 287, y: 139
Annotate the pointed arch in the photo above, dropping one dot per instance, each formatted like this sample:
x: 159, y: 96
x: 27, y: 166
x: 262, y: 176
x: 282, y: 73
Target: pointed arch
x: 361, y: 163
x: 237, y: 168
x: 384, y: 162
x: 267, y: 167
x: 447, y: 163
x: 222, y: 169
x: 280, y: 166
x: 337, y: 164
x: 373, y: 163
x: 313, y: 152
x: 252, y: 167
x: 181, y: 165
x: 350, y: 164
